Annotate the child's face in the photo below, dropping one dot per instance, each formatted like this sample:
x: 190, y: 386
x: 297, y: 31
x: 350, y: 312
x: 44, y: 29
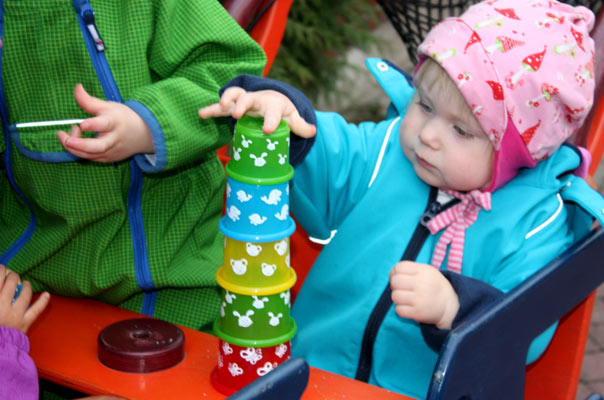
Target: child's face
x: 441, y: 137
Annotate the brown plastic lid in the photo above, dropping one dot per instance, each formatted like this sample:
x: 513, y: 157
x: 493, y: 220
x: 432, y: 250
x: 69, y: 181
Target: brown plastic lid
x: 141, y: 345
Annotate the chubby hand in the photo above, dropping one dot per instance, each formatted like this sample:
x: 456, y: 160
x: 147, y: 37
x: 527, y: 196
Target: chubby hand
x: 271, y: 105
x: 17, y: 315
x: 420, y: 292
x: 121, y: 131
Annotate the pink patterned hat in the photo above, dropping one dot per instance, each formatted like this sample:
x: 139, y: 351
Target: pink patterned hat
x: 526, y: 69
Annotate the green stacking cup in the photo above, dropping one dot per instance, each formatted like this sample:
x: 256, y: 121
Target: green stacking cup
x: 256, y: 321
x: 259, y: 158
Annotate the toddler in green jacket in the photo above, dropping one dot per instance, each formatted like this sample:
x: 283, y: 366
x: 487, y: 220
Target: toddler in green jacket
x: 113, y: 190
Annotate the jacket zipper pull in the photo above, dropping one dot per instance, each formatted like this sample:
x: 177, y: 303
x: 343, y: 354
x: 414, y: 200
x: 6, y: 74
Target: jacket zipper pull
x: 433, y: 209
x: 88, y: 17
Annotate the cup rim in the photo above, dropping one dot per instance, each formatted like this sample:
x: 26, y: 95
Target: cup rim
x: 255, y: 291
x: 262, y: 343
x: 259, y: 181
x: 257, y: 238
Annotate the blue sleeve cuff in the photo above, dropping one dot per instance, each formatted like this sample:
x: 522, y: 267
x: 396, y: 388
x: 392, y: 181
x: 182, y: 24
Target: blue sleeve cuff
x: 299, y: 147
x: 474, y: 296
x: 160, y: 157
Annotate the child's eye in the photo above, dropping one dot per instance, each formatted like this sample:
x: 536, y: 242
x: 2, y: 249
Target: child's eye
x: 462, y: 132
x: 425, y: 107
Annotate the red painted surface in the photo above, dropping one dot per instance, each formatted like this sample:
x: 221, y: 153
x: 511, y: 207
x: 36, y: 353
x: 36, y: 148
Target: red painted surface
x: 64, y: 348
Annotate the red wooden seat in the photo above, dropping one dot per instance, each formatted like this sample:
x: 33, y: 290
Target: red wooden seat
x: 268, y: 29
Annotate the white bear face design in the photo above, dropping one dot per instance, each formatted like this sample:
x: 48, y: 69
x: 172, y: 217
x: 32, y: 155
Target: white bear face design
x: 256, y: 219
x: 222, y: 306
x: 282, y: 216
x: 275, y: 319
x: 259, y: 303
x: 235, y: 369
x: 287, y: 261
x: 228, y: 190
x: 268, y: 367
x: 237, y: 153
x: 220, y: 361
x: 244, y: 142
x: 228, y: 297
x: 252, y: 249
x: 268, y: 269
x: 251, y: 355
x: 239, y: 266
x: 259, y: 161
x: 271, y: 145
x: 244, y: 320
x: 274, y: 197
x: 282, y: 158
x: 233, y: 213
x: 281, y: 247
x: 242, y: 196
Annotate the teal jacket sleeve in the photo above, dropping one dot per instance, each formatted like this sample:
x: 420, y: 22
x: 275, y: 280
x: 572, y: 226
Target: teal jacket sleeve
x: 336, y: 172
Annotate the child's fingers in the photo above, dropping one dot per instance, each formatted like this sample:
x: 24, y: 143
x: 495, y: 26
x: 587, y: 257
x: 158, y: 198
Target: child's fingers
x: 34, y: 311
x: 7, y: 292
x: 3, y: 273
x: 89, y: 148
x: 402, y: 297
x: 90, y: 104
x: 224, y: 108
x: 402, y: 282
x: 273, y: 113
x: 300, y: 127
x: 214, y: 110
x: 67, y: 139
x: 246, y: 102
x: 406, y: 311
x: 230, y: 96
x: 22, y: 302
x: 405, y: 268
x: 98, y: 124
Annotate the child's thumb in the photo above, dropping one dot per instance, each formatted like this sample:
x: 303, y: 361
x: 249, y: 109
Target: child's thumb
x: 300, y: 127
x: 90, y: 104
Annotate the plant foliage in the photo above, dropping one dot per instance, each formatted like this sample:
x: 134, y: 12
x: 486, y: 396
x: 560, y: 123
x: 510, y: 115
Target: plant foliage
x: 316, y: 39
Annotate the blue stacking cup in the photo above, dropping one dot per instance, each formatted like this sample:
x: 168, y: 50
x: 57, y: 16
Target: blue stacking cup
x: 257, y: 213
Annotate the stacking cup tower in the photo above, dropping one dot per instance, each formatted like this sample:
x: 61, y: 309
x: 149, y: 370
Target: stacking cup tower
x: 255, y: 326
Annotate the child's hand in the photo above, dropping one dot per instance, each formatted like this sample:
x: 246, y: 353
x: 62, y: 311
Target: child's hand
x: 273, y: 106
x: 420, y: 292
x: 121, y: 131
x: 17, y: 315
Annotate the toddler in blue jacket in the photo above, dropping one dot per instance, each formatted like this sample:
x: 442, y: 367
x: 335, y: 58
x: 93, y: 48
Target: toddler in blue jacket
x: 457, y: 197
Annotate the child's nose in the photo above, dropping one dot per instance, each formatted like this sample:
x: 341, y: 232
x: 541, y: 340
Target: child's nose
x: 430, y: 132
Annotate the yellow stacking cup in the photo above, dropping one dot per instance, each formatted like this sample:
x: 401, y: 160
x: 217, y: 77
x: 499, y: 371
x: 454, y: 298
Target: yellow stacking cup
x: 256, y: 268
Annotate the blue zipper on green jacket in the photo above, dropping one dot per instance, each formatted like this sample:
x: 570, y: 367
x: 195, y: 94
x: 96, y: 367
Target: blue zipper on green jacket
x: 29, y: 231
x: 96, y: 49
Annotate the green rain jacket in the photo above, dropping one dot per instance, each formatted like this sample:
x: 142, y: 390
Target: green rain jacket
x: 141, y: 233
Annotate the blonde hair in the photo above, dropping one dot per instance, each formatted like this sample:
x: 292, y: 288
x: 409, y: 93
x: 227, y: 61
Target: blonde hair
x: 434, y: 75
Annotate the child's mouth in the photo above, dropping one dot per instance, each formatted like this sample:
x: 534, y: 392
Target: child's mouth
x: 423, y: 162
